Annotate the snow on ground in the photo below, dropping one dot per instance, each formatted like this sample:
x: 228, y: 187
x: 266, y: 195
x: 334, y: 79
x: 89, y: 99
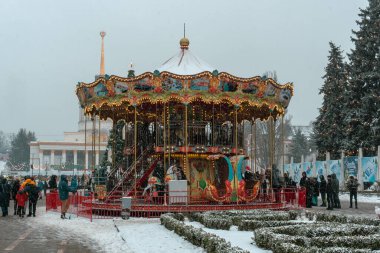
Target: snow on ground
x: 140, y: 235
x: 364, y: 198
x: 242, y: 239
x: 147, y: 235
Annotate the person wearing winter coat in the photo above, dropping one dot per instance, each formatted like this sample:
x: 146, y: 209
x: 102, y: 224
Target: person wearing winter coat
x: 315, y: 187
x: 21, y: 198
x: 303, y: 180
x: 5, y: 195
x: 33, y: 192
x: 335, y: 183
x: 53, y: 189
x: 74, y: 183
x: 64, y: 190
x: 309, y: 193
x: 45, y: 187
x: 330, y: 193
x: 40, y: 185
x: 352, y: 186
x: 53, y: 183
x: 322, y: 189
x: 15, y: 187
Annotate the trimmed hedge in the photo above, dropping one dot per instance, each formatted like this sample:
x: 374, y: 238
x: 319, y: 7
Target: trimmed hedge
x: 251, y: 225
x: 224, y: 220
x: 341, y: 218
x: 319, y: 238
x: 210, y: 242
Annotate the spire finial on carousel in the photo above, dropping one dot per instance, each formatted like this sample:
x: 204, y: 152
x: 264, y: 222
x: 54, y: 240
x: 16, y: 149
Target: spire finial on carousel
x: 184, y: 42
x: 131, y: 71
x: 102, y: 71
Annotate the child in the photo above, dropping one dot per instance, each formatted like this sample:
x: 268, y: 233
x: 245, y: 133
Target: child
x: 21, y: 198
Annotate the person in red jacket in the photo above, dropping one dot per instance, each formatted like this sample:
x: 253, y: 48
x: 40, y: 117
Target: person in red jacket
x: 21, y: 198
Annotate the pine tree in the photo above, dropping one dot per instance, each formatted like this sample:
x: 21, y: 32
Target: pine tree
x: 328, y: 127
x: 19, y: 155
x: 299, y: 146
x: 363, y: 93
x: 116, y: 142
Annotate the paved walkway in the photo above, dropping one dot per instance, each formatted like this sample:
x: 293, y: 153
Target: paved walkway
x: 364, y: 209
x: 18, y: 236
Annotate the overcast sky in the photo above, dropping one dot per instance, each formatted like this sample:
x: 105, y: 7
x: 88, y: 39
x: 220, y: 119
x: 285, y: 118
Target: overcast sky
x: 49, y: 46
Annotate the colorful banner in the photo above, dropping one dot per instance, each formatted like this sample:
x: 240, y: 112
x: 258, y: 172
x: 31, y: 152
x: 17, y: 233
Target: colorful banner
x: 334, y: 167
x: 369, y: 166
x: 350, y: 164
x: 321, y: 169
x: 308, y: 168
x: 288, y: 169
x: 297, y: 170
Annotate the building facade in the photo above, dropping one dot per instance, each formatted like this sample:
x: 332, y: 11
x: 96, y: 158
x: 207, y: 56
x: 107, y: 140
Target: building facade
x: 78, y: 151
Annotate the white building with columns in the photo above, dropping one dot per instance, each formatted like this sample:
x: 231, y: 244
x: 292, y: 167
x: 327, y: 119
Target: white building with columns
x: 75, y: 152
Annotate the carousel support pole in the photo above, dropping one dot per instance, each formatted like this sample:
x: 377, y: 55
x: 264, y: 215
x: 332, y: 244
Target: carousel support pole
x: 114, y: 139
x: 93, y: 137
x: 255, y: 137
x: 169, y: 142
x: 283, y: 144
x: 135, y: 143
x: 164, y: 119
x: 85, y: 145
x: 269, y: 126
x: 236, y: 147
x: 253, y: 169
x: 186, y: 149
x: 99, y: 141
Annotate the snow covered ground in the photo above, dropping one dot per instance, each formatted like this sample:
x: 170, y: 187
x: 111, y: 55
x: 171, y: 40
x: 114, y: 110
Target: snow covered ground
x: 136, y: 234
x: 362, y: 198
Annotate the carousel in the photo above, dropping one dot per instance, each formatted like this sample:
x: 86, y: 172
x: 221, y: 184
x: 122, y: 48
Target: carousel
x: 184, y: 130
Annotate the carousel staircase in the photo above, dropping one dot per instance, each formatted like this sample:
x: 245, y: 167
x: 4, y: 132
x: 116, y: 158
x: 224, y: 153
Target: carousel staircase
x: 126, y: 181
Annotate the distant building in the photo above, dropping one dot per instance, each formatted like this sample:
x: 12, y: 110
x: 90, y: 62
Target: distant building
x: 74, y: 151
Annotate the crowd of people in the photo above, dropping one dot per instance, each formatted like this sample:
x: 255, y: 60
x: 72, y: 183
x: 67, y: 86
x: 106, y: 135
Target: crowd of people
x: 328, y: 190
x: 25, y: 193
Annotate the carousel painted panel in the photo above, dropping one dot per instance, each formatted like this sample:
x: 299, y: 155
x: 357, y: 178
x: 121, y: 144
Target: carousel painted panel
x: 88, y: 93
x: 270, y: 91
x: 250, y: 88
x: 100, y: 90
x: 201, y: 84
x: 145, y: 84
x: 121, y: 88
x: 284, y: 97
x: 200, y: 176
x: 172, y: 84
x: 228, y: 85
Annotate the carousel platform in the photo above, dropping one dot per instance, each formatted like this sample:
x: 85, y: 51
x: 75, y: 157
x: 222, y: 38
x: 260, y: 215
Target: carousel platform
x: 151, y: 210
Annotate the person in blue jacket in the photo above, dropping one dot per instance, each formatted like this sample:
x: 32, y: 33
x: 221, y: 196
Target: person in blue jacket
x: 64, y: 189
x: 74, y: 183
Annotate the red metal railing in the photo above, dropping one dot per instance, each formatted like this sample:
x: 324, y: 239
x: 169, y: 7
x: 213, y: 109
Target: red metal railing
x: 80, y: 204
x: 153, y: 204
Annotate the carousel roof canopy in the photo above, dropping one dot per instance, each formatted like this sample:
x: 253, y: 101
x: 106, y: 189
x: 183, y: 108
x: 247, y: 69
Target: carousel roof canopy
x: 185, y: 62
x: 183, y: 79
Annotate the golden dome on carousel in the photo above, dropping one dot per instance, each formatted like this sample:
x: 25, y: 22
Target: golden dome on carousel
x: 184, y: 43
